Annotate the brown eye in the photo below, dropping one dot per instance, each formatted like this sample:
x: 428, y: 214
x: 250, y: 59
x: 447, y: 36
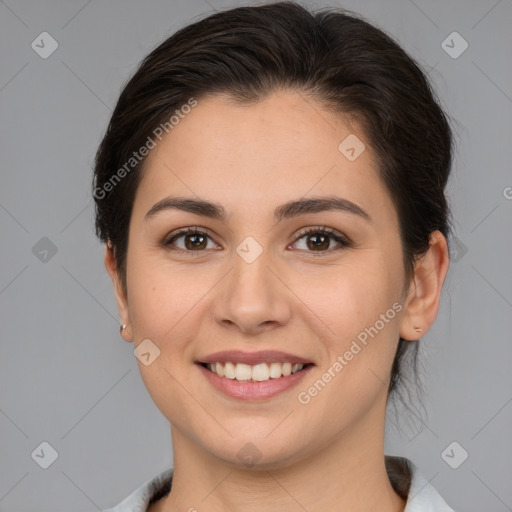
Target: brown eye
x: 319, y: 240
x: 193, y: 240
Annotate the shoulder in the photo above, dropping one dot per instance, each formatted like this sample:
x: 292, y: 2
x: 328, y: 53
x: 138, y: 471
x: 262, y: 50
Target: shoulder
x: 150, y: 491
x: 408, y: 482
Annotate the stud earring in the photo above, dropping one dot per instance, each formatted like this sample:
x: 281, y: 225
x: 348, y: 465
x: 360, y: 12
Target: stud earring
x: 122, y: 327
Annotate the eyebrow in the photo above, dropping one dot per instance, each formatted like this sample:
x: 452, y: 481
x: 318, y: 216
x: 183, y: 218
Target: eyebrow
x: 285, y: 211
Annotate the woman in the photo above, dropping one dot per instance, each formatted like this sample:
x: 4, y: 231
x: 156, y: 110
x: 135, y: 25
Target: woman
x: 270, y: 190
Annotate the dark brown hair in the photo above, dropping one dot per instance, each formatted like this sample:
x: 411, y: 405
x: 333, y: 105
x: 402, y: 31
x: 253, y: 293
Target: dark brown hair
x: 331, y: 56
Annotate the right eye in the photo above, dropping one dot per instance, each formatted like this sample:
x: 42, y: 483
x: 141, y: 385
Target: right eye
x: 194, y: 240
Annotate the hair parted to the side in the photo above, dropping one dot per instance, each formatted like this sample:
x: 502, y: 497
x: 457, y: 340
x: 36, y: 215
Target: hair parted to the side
x: 332, y: 56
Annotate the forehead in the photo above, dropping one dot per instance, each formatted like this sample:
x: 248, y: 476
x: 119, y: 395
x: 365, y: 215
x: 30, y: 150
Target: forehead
x: 284, y: 146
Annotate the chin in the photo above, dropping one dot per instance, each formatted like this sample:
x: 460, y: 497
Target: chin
x: 258, y: 454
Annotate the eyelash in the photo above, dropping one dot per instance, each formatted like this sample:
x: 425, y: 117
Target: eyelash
x: 342, y: 240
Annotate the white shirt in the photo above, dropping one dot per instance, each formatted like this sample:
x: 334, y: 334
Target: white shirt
x: 421, y: 495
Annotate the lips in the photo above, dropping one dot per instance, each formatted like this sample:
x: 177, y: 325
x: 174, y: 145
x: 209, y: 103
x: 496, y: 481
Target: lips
x: 253, y: 390
x: 253, y: 375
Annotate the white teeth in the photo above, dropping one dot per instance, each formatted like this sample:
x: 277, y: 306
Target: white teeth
x: 275, y: 370
x: 243, y: 372
x: 229, y: 370
x: 219, y: 370
x: 287, y: 369
x: 297, y: 367
x: 258, y: 372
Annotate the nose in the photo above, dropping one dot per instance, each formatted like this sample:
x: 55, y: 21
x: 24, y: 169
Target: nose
x: 251, y: 299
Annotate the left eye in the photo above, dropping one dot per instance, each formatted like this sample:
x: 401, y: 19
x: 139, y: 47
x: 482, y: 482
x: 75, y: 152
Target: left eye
x: 319, y: 240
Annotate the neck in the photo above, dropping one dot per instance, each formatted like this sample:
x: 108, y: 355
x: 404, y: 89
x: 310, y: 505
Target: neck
x: 349, y: 474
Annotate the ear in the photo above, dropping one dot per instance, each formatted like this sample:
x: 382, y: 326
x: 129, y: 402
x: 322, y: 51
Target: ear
x: 121, y: 298
x: 422, y: 300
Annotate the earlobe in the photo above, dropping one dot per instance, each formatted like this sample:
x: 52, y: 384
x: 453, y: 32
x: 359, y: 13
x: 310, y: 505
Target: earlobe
x: 121, y: 300
x: 423, y: 298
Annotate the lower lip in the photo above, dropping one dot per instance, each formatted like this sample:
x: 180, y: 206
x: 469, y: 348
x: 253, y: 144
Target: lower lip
x: 249, y: 390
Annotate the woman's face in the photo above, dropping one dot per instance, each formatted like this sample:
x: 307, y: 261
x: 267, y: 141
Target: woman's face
x: 257, y: 285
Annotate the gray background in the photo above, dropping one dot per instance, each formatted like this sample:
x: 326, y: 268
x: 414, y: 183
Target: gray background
x: 68, y: 379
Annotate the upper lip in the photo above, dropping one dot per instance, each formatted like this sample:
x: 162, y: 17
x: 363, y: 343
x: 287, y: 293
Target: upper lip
x: 252, y: 358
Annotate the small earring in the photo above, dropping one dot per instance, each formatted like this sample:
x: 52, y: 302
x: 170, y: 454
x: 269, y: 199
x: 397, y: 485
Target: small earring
x: 122, y: 327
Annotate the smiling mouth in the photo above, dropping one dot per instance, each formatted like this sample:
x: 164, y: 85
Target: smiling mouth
x: 254, y: 373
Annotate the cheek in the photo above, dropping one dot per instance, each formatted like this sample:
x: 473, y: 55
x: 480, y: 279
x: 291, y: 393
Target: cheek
x: 360, y: 312
x: 164, y: 305
x: 350, y: 298
x: 160, y: 297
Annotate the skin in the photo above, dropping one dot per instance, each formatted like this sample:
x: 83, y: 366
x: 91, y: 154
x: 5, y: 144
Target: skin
x: 324, y: 455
